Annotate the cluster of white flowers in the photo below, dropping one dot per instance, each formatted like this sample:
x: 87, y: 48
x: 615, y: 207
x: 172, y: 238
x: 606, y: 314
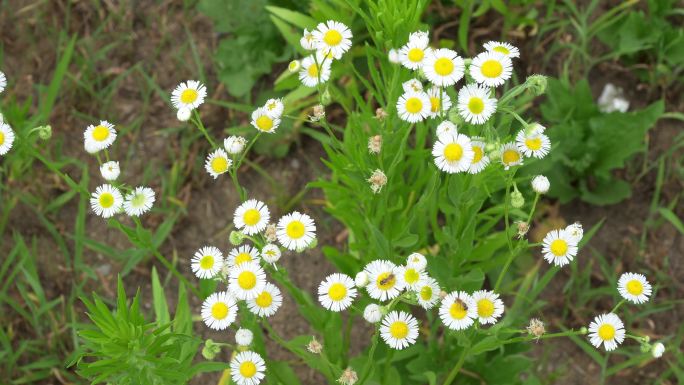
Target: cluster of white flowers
x: 385, y: 281
x: 108, y: 199
x: 328, y: 42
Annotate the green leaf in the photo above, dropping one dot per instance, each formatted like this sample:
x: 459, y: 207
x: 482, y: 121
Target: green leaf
x: 161, y: 308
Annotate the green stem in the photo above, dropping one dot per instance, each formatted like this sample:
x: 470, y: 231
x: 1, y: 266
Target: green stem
x: 200, y: 125
x: 534, y: 207
x: 369, y: 362
x: 388, y: 361
x: 617, y: 306
x: 459, y: 364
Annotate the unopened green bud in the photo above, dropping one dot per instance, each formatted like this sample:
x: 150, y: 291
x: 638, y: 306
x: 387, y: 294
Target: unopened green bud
x: 210, y: 349
x: 454, y: 116
x: 645, y: 347
x: 583, y: 330
x: 236, y: 238
x: 517, y: 199
x: 326, y: 98
x: 313, y: 243
x: 536, y: 84
x: 45, y: 132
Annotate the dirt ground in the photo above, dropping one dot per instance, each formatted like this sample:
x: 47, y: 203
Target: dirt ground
x: 29, y: 56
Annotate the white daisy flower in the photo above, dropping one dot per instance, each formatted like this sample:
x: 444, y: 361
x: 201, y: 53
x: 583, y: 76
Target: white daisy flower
x: 217, y: 163
x: 634, y: 288
x: 575, y: 232
x: 393, y: 56
x: 385, y: 283
x: 414, y: 52
x: 558, y: 248
x: 491, y: 69
x: 271, y: 253
x: 372, y: 313
x: 99, y: 137
x: 411, y: 276
x: 533, y: 143
x: 264, y: 122
x: 274, y: 107
x: 219, y: 310
x: 296, y: 231
x: 6, y: 138
x: 336, y: 292
x: 207, y: 262
x: 106, y: 201
x: 502, y: 48
x: 413, y: 85
x: 488, y: 305
x: 510, y: 155
x: 267, y: 302
x: 416, y: 261
x: 458, y: 310
x: 333, y: 37
x: 443, y: 67
x: 251, y: 217
x: 475, y: 104
x: 109, y: 170
x: 480, y: 159
x: 607, y: 329
x: 399, y: 329
x: 310, y: 72
x: 234, y: 144
x: 453, y: 153
x: 435, y: 96
x: 188, y: 95
x: 446, y: 128
x: 242, y: 254
x: 139, y: 201
x: 3, y: 81
x: 308, y: 41
x: 247, y: 368
x: 541, y: 184
x: 244, y: 337
x: 413, y: 106
x: 246, y: 280
x: 428, y: 293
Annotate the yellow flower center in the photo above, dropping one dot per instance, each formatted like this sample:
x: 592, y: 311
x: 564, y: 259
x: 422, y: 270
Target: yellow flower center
x: 207, y: 262
x: 399, y: 330
x: 491, y: 68
x: 606, y: 332
x: 337, y: 291
x: 414, y: 105
x: 415, y: 54
x: 386, y: 281
x: 444, y: 66
x: 247, y: 280
x: 635, y: 287
x: 485, y: 308
x: 501, y: 49
x: 248, y: 369
x: 476, y: 105
x: 264, y: 123
x: 100, y: 133
x: 434, y: 104
x: 264, y: 299
x: 559, y: 247
x: 533, y: 144
x: 295, y: 229
x: 510, y: 156
x: 251, y: 217
x: 411, y: 276
x: 219, y: 310
x: 106, y: 200
x: 242, y: 258
x: 478, y: 154
x: 188, y: 96
x: 219, y: 164
x: 457, y: 311
x: 313, y: 71
x: 2, y: 138
x: 426, y: 293
x: 332, y: 37
x: 453, y: 152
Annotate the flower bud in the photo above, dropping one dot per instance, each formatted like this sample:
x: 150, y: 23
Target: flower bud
x: 45, y: 132
x: 318, y: 113
x: 270, y: 232
x: 210, y: 349
x: 234, y: 144
x: 375, y: 144
x: 380, y: 114
x: 326, y: 98
x: 540, y: 184
x: 536, y: 328
x: 361, y: 279
x: 583, y: 330
x: 372, y: 313
x: 348, y: 377
x: 294, y: 66
x: 314, y: 346
x: 454, y: 117
x: 236, y: 238
x: 658, y: 350
x: 536, y: 84
x: 244, y: 337
x: 183, y: 114
x: 377, y: 180
x: 393, y: 56
x: 517, y: 199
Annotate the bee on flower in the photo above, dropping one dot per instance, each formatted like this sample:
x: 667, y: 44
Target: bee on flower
x: 384, y: 282
x: 459, y: 310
